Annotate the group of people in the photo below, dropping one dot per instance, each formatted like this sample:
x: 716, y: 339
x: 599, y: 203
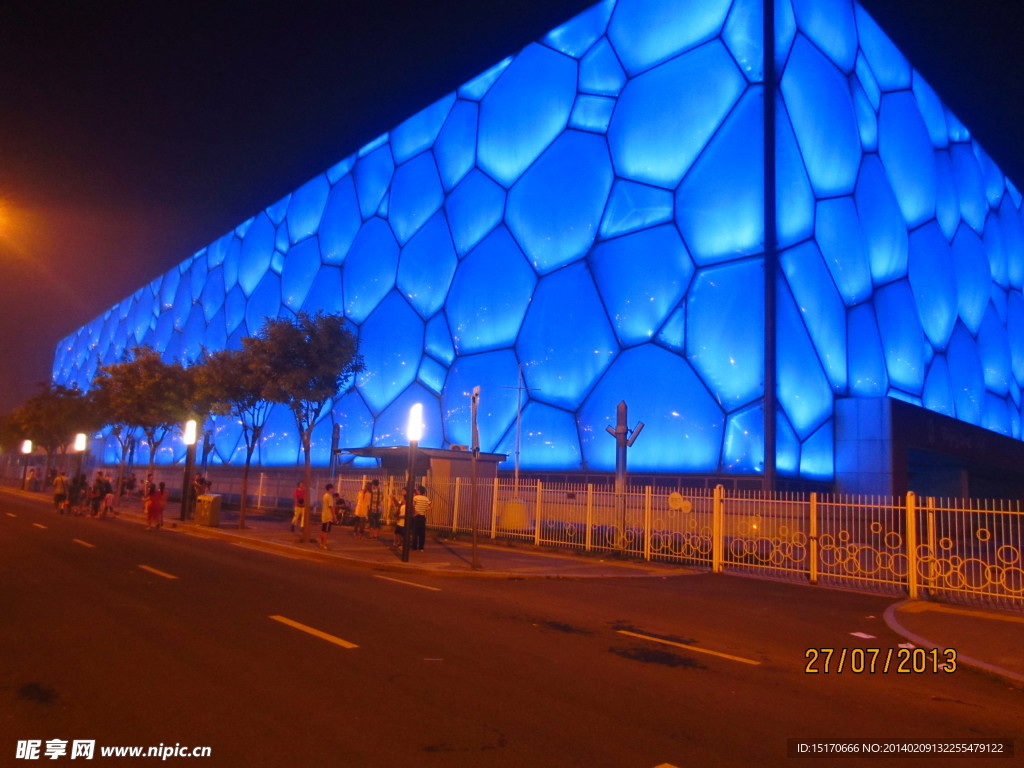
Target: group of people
x: 77, y: 496
x: 367, y: 514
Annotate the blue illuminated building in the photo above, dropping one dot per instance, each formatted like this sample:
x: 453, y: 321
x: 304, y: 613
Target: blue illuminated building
x: 593, y: 210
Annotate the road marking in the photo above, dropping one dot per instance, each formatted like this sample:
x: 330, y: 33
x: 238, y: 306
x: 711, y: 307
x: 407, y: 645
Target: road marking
x: 84, y: 543
x: 158, y: 572
x: 314, y: 632
x: 863, y: 635
x: 408, y: 583
x: 691, y: 648
x: 39, y: 525
x: 11, y: 514
x: 922, y: 606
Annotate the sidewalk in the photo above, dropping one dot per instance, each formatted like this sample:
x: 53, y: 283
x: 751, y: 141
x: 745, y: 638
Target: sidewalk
x: 987, y: 640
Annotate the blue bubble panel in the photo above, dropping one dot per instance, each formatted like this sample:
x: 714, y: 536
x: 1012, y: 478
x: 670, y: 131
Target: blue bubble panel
x: 831, y: 26
x: 549, y: 439
x: 592, y: 113
x: 947, y: 198
x: 744, y: 38
x: 306, y: 207
x: 821, y: 308
x: 325, y: 293
x: 970, y: 186
x: 725, y: 331
x: 432, y: 374
x: 455, y: 148
x: 641, y: 278
x: 973, y: 278
x: 212, y: 299
x: 265, y: 302
x: 300, y: 270
x: 280, y: 443
x: 370, y: 269
x: 933, y: 281
x: 902, y: 337
x: 824, y: 119
x: 635, y: 206
x: 497, y: 375
x: 419, y: 132
x: 785, y: 31
x: 354, y: 421
x: 416, y: 195
x: 389, y: 427
x: 743, y: 450
x: 908, y: 156
x: 554, y: 210
x: 525, y: 111
x: 426, y: 267
x: 996, y: 415
x: 439, y: 340
x: 575, y: 37
x: 840, y: 236
x: 684, y: 426
x: 969, y: 376
x: 867, y: 120
x: 490, y: 294
x: 817, y: 454
x: 391, y: 342
x: 479, y: 86
x: 600, y: 71
x: 567, y: 342
x: 1015, y: 331
x: 938, y: 390
x: 932, y: 111
x: 885, y: 231
x: 794, y: 213
x: 890, y: 67
x: 373, y: 173
x: 474, y: 208
x: 866, y: 371
x: 720, y: 204
x: 341, y: 221
x: 666, y: 116
x: 804, y: 392
x: 255, y: 255
x: 648, y: 32
x: 994, y: 351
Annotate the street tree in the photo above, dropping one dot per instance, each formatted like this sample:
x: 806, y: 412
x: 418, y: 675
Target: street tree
x: 52, y: 417
x: 312, y: 358
x: 233, y: 382
x: 143, y: 392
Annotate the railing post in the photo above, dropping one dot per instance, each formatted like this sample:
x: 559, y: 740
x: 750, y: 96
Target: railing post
x: 911, y: 538
x: 455, y: 503
x: 718, y: 530
x: 536, y: 514
x: 933, y: 551
x: 813, y: 537
x: 648, y: 503
x: 590, y: 518
x: 494, y: 510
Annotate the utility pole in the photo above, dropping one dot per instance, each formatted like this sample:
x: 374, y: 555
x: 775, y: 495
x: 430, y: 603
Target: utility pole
x: 624, y: 438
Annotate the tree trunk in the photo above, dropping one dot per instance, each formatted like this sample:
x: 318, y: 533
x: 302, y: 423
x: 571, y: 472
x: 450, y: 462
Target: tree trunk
x: 310, y: 493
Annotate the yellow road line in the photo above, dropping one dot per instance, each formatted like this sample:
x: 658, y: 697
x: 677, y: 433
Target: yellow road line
x: 39, y: 525
x: 84, y: 543
x: 158, y: 572
x: 314, y: 632
x: 409, y: 583
x: 691, y: 648
x: 11, y: 514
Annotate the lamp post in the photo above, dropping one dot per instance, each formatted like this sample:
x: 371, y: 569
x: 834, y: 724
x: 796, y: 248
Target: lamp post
x: 190, y: 461
x: 26, y: 449
x: 475, y: 445
x: 81, y: 441
x: 413, y: 431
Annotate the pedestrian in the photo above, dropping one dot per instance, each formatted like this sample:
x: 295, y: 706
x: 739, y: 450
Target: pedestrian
x: 60, y: 491
x: 96, y: 494
x: 108, y: 495
x: 376, y: 508
x: 78, y: 494
x: 156, y: 503
x: 421, y: 506
x: 398, y: 511
x: 327, y: 517
x: 299, y: 506
x: 362, y: 511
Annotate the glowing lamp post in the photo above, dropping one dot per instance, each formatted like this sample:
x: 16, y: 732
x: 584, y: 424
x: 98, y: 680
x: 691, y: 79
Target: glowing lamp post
x: 26, y: 449
x: 81, y: 442
x: 413, y: 431
x: 190, y: 461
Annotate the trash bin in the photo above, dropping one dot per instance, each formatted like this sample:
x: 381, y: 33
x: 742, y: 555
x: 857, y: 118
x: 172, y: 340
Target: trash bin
x: 207, y: 510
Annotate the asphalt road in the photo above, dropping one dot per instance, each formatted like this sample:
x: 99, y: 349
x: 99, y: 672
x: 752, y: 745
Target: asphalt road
x: 129, y: 637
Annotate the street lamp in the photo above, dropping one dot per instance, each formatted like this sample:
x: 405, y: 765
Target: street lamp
x: 79, y: 446
x: 190, y: 460
x: 26, y: 449
x: 413, y: 431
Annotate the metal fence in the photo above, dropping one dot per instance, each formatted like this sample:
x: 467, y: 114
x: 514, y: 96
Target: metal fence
x: 952, y: 550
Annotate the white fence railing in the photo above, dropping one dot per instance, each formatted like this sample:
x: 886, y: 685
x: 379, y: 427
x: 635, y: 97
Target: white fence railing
x: 956, y: 550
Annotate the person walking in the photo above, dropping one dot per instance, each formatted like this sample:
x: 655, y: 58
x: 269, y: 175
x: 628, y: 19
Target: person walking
x: 421, y: 507
x: 156, y: 503
x: 299, y: 506
x: 398, y: 514
x: 60, y: 491
x: 327, y: 516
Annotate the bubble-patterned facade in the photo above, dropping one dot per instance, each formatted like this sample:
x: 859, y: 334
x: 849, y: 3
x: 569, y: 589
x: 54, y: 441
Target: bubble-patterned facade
x: 591, y: 210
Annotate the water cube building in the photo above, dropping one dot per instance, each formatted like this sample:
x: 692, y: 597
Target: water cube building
x: 751, y: 220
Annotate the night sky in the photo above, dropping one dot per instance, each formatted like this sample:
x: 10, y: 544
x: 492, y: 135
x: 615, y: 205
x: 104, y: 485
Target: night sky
x: 132, y: 134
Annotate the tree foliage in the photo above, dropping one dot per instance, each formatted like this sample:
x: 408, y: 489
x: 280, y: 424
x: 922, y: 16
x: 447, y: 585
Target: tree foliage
x: 51, y: 418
